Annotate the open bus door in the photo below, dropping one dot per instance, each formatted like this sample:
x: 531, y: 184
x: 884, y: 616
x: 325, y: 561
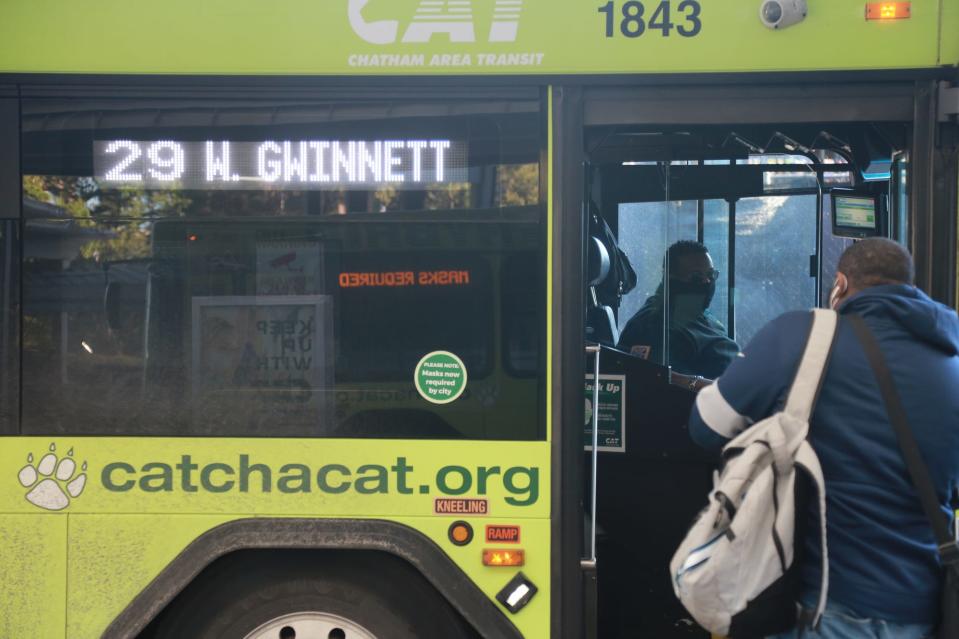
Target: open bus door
x: 759, y: 197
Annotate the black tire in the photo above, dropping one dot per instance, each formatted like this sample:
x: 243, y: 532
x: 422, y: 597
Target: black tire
x: 379, y: 592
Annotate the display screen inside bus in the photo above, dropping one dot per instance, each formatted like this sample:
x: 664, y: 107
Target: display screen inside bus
x: 857, y: 212
x: 854, y: 215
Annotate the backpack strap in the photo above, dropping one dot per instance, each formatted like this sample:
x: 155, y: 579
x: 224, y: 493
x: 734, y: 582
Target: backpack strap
x: 805, y: 387
x: 799, y: 404
x: 918, y: 472
x: 806, y: 457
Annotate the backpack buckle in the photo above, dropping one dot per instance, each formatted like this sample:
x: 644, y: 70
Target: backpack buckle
x: 949, y: 553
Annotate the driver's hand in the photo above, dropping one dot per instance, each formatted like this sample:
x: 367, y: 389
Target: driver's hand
x: 693, y: 383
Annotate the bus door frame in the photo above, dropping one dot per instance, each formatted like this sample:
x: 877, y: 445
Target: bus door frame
x: 907, y: 96
x: 567, y: 315
x: 932, y: 183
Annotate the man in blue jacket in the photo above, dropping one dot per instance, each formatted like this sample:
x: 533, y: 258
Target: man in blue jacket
x: 883, y: 566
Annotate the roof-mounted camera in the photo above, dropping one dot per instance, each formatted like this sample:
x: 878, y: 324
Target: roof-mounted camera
x: 779, y: 14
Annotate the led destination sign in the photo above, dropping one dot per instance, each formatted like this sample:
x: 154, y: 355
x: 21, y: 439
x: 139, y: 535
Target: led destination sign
x: 282, y: 164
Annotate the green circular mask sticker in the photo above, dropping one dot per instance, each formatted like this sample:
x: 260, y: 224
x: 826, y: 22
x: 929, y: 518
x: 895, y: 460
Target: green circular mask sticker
x: 440, y: 377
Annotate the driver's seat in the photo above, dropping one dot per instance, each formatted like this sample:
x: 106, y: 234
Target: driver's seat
x: 600, y: 320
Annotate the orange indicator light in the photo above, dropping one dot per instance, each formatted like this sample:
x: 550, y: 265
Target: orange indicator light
x: 888, y: 10
x: 460, y: 533
x: 514, y: 557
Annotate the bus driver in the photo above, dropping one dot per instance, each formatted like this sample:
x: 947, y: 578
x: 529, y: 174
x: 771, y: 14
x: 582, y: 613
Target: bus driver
x: 698, y: 344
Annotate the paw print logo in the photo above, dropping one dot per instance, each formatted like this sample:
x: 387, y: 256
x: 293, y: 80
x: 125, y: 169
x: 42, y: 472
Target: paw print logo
x: 487, y: 395
x: 52, y: 480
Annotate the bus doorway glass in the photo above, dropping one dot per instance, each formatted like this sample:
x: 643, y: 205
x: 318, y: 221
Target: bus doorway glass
x: 725, y: 230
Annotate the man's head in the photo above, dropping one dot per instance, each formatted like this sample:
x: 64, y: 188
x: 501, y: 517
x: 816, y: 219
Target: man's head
x: 690, y: 261
x: 872, y: 262
x: 692, y: 281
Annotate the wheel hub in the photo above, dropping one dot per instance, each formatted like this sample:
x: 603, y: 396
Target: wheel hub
x: 310, y: 625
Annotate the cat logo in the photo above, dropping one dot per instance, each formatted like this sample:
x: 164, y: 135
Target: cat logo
x: 454, y: 18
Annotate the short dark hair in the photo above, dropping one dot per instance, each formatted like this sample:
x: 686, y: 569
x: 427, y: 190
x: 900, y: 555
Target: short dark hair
x: 683, y: 248
x: 876, y: 261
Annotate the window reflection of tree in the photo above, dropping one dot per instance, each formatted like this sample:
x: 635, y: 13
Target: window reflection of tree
x: 517, y: 184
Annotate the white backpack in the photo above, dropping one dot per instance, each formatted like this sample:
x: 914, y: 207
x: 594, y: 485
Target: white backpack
x: 730, y: 572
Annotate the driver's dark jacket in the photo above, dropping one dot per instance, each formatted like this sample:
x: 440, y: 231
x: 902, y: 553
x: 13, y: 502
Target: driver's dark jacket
x: 882, y: 554
x: 700, y: 347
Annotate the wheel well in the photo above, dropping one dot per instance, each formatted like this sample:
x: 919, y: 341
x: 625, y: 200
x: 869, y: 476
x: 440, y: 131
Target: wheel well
x: 281, y: 539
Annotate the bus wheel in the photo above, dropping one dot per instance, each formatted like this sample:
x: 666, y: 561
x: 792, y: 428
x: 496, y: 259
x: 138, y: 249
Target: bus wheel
x: 310, y: 596
x: 309, y: 625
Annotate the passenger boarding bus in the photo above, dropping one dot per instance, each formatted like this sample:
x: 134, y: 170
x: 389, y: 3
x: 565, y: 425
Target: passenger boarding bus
x: 304, y: 303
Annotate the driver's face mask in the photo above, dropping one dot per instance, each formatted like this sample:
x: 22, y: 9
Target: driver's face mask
x: 689, y: 299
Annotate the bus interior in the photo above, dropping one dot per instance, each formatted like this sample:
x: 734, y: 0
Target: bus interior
x: 759, y: 198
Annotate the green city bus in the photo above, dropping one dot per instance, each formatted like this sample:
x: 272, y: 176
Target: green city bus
x: 298, y: 299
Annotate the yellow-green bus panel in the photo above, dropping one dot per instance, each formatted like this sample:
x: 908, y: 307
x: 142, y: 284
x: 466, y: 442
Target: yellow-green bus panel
x: 89, y: 559
x: 33, y: 552
x: 106, y: 571
x: 949, y: 34
x: 390, y: 37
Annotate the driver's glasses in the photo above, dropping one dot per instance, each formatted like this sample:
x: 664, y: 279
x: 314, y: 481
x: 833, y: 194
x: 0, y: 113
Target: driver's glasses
x: 702, y: 277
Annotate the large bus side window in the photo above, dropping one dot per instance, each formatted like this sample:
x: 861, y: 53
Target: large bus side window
x: 522, y: 313
x: 293, y: 274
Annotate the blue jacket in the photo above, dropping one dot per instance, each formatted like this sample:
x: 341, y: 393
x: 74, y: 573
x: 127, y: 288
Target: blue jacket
x: 882, y: 554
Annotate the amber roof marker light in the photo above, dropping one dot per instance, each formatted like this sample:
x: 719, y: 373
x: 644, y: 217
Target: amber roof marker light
x: 888, y: 10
